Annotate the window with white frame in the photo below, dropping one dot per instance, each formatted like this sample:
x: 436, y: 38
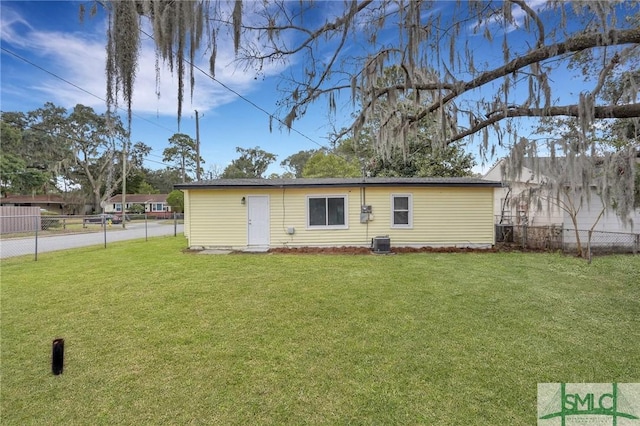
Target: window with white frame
x: 117, y: 207
x: 327, y: 211
x: 157, y: 207
x: 401, y: 209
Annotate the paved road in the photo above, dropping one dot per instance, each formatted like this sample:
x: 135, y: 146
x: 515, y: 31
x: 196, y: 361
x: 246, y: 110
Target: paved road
x: 22, y: 246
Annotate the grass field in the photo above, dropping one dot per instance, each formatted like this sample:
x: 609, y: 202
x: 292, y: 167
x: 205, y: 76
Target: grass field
x: 154, y: 335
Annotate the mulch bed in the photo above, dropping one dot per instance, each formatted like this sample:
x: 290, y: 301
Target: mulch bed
x: 366, y: 250
x: 394, y: 250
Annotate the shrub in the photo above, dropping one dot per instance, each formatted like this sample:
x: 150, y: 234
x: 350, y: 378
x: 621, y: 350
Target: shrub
x: 136, y: 209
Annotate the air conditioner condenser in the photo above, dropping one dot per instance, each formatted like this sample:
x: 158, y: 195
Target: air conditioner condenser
x: 381, y: 244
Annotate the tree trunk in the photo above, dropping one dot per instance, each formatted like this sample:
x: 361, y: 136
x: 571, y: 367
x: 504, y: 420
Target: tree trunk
x: 574, y: 220
x: 96, y: 201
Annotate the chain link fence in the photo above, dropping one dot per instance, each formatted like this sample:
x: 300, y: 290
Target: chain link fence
x: 25, y: 234
x: 568, y: 240
x: 599, y: 242
x: 30, y: 234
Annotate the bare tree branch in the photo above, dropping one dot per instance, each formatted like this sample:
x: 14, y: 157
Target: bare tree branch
x: 536, y: 18
x: 614, y: 111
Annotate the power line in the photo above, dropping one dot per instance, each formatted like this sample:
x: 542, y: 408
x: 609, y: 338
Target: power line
x: 146, y: 160
x: 85, y: 91
x: 81, y: 88
x: 206, y: 74
x: 249, y: 101
x: 155, y: 155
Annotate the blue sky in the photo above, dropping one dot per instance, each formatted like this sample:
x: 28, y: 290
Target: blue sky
x: 50, y: 35
x: 66, y: 67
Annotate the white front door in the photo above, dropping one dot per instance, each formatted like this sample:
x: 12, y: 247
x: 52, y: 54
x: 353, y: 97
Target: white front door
x: 258, y: 220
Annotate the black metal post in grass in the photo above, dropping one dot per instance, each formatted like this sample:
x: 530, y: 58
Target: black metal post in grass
x: 57, y: 356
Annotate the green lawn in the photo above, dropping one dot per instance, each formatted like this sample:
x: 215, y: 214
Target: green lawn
x: 153, y: 335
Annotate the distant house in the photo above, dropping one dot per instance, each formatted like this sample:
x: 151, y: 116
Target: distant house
x: 269, y: 213
x: 515, y: 205
x: 154, y: 204
x: 55, y: 203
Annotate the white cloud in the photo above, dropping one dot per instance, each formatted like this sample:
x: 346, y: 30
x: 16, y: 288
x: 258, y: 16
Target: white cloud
x: 79, y: 58
x: 518, y: 16
x: 11, y: 21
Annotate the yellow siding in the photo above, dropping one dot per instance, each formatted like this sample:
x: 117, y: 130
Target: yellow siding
x: 442, y: 216
x: 217, y: 219
x: 289, y: 209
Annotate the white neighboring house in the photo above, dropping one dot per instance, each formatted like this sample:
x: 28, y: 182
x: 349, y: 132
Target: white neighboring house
x: 513, y: 205
x: 154, y: 204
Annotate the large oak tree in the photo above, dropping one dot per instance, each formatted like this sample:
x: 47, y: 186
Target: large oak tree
x: 63, y: 149
x: 481, y: 66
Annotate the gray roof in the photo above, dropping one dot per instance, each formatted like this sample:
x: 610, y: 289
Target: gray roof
x: 339, y: 182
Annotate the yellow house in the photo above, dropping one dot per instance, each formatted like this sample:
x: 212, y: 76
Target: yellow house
x: 258, y: 214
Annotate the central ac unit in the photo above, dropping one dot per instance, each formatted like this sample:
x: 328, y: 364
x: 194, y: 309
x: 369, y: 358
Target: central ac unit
x: 381, y: 244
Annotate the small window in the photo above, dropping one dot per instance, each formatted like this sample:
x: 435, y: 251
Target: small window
x: 157, y: 207
x: 401, y: 206
x: 327, y: 212
x: 118, y: 207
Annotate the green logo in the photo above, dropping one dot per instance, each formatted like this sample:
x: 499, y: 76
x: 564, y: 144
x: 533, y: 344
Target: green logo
x: 567, y: 404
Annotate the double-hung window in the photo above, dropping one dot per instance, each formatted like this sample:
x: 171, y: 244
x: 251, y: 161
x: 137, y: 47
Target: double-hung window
x: 157, y: 207
x: 401, y: 211
x: 327, y: 211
